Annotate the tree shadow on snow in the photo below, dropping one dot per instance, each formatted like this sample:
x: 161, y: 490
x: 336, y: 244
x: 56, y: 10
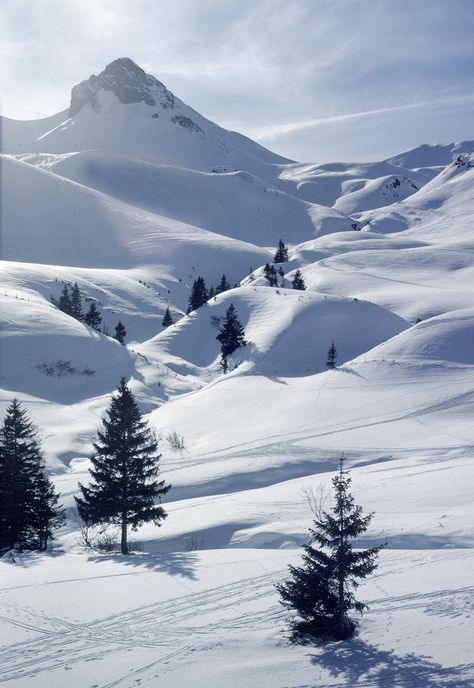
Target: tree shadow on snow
x: 174, y: 563
x: 361, y: 664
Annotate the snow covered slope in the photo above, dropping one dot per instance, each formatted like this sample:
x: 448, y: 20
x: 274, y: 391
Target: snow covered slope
x: 132, y: 194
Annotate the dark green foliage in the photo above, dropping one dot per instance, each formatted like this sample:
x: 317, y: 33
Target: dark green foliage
x: 64, y: 303
x: 120, y: 332
x: 198, y: 296
x: 223, y: 285
x: 211, y: 293
x: 76, y: 302
x: 298, y: 281
x: 332, y: 356
x: 93, y: 317
x: 29, y: 509
x: 271, y: 275
x: 321, y: 591
x: 231, y: 335
x: 167, y: 319
x: 281, y: 255
x: 124, y: 471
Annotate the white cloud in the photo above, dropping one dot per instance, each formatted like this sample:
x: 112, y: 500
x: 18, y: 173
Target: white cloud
x: 277, y: 68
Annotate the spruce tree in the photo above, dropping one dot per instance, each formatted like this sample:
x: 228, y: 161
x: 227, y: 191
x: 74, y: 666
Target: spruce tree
x: 26, y: 493
x: 124, y: 471
x: 93, y: 317
x: 223, y: 285
x: 76, y: 302
x: 231, y: 335
x: 332, y: 356
x: 120, y: 332
x: 281, y: 255
x: 298, y: 281
x: 321, y: 591
x: 48, y: 514
x: 167, y: 319
x: 198, y: 296
x: 64, y: 303
x: 271, y: 275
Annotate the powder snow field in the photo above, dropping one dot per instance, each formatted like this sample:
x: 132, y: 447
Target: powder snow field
x: 133, y: 207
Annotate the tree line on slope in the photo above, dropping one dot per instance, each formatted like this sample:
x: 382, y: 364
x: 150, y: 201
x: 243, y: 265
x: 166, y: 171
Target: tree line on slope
x: 71, y: 302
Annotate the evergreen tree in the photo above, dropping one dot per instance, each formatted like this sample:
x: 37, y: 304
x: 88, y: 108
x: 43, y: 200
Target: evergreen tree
x: 76, y: 302
x: 231, y: 335
x: 64, y: 303
x: 298, y: 281
x: 198, y: 296
x: 167, y: 319
x: 332, y: 356
x: 211, y: 293
x: 271, y: 275
x: 120, y: 332
x: 124, y: 471
x: 223, y: 285
x: 322, y: 590
x: 25, y: 490
x: 48, y: 514
x: 281, y: 255
x: 93, y: 317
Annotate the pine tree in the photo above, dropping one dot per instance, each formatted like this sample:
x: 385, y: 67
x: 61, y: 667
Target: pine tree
x: 120, y: 332
x: 48, y: 514
x: 93, y: 317
x: 64, y: 303
x: 322, y: 590
x: 271, y: 275
x: 223, y: 285
x: 281, y: 255
x: 198, y: 296
x: 167, y: 319
x: 332, y: 356
x: 124, y: 471
x: 76, y: 302
x: 25, y: 490
x: 231, y: 335
x: 298, y: 281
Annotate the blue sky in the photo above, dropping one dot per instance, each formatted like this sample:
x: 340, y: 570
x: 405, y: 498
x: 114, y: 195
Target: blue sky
x: 314, y: 80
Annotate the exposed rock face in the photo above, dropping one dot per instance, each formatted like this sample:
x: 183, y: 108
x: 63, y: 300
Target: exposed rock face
x: 127, y: 81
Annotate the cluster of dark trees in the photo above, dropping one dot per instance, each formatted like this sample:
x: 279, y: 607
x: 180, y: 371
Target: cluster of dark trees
x: 271, y: 273
x: 200, y: 294
x: 29, y: 504
x: 125, y: 488
x: 321, y: 590
x: 71, y: 302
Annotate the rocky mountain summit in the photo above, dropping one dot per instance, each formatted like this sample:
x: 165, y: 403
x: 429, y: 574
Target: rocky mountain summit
x: 129, y: 82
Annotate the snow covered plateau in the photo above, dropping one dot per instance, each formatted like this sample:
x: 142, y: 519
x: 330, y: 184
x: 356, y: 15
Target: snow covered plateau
x: 132, y: 194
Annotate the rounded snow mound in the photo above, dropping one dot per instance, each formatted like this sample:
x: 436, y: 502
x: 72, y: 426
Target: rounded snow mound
x: 446, y: 337
x: 288, y: 332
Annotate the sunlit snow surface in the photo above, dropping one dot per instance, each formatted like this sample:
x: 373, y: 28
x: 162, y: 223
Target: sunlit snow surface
x: 134, y: 217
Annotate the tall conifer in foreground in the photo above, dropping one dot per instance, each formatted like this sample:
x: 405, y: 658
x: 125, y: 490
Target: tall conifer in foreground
x: 124, y: 471
x: 29, y: 510
x: 321, y: 591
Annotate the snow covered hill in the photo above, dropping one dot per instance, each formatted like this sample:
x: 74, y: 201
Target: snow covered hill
x: 132, y: 194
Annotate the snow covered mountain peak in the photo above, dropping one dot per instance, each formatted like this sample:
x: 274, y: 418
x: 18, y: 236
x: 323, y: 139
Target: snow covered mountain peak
x: 129, y: 82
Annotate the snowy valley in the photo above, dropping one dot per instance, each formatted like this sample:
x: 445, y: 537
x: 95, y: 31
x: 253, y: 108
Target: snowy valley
x: 131, y: 195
